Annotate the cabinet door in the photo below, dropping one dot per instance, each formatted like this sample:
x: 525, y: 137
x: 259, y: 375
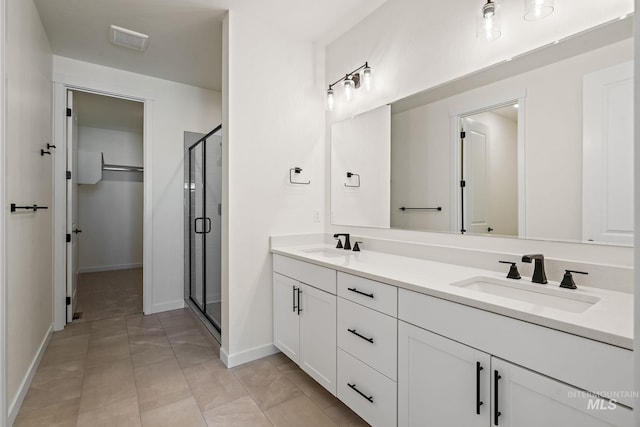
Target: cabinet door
x: 528, y: 399
x: 318, y: 336
x: 440, y: 382
x: 286, y: 321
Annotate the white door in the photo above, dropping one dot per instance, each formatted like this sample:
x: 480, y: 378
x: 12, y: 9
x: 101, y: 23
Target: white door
x: 475, y: 158
x: 318, y: 336
x: 608, y: 155
x: 440, y: 382
x: 72, y: 207
x: 286, y: 320
x: 528, y: 399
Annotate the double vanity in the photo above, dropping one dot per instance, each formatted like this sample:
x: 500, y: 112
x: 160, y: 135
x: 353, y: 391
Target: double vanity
x: 411, y: 342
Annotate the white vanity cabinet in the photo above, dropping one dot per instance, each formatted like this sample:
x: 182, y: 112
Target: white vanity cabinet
x: 441, y: 382
x: 367, y: 348
x: 528, y: 399
x: 304, y: 317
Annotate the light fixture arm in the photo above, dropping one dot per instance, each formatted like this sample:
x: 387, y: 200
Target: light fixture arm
x: 362, y: 67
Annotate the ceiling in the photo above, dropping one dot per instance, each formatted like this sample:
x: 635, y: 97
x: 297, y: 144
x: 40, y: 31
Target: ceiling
x: 185, y: 42
x: 107, y: 112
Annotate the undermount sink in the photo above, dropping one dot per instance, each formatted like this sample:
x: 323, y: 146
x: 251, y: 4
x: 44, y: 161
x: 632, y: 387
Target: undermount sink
x: 534, y: 294
x: 327, y: 252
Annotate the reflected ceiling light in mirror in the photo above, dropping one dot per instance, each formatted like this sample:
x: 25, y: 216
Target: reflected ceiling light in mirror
x: 349, y: 85
x: 489, y: 26
x: 331, y: 99
x: 350, y: 82
x: 537, y: 9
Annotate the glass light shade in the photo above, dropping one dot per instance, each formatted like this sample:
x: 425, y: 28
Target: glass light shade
x: 331, y: 99
x: 366, y: 78
x: 537, y: 9
x: 489, y: 22
x: 348, y: 88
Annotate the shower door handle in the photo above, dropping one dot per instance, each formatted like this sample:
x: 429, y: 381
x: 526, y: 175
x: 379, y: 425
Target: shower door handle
x: 207, y: 228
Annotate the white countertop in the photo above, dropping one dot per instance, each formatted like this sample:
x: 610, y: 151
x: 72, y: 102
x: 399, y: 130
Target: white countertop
x: 610, y: 320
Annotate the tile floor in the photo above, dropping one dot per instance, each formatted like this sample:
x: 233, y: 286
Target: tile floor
x: 107, y: 294
x: 164, y: 370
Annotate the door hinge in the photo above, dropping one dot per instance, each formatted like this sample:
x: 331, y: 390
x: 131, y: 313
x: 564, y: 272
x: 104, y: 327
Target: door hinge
x: 463, y: 183
x: 68, y: 300
x: 68, y: 174
x: 463, y: 134
x: 68, y: 238
x: 68, y: 112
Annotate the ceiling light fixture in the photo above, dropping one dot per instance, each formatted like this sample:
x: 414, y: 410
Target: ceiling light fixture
x: 128, y: 38
x: 350, y: 83
x: 489, y: 27
x: 535, y: 10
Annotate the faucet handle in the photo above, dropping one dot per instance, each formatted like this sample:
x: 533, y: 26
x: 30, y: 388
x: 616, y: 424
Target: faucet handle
x: 356, y: 247
x: 513, y: 271
x: 567, y: 280
x: 339, y: 246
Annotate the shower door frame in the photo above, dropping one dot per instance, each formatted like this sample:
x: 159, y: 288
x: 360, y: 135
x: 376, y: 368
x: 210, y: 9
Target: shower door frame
x: 203, y: 308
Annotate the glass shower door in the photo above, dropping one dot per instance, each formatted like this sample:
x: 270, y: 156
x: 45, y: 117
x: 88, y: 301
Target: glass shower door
x: 204, y: 203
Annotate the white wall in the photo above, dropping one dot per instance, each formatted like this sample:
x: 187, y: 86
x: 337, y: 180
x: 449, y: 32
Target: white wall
x: 28, y: 181
x: 110, y: 212
x: 270, y: 129
x: 174, y: 108
x: 636, y: 341
x: 411, y: 49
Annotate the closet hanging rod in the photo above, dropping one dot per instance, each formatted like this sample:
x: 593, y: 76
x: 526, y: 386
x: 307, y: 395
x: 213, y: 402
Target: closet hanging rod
x: 122, y: 168
x: 421, y: 209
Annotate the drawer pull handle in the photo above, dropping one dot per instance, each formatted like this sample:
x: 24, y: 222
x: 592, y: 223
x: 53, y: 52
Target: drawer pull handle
x: 354, y: 332
x: 354, y: 388
x: 360, y: 292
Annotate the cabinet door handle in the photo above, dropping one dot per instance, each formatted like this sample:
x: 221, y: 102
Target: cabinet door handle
x: 360, y: 292
x: 294, y: 299
x: 496, y: 410
x: 354, y: 332
x: 354, y: 388
x: 479, y: 403
x: 299, y: 304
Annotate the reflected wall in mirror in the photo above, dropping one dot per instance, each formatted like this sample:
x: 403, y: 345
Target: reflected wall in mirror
x: 360, y: 151
x: 533, y: 188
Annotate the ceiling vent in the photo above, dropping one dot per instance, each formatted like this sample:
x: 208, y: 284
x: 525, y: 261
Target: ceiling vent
x: 127, y: 38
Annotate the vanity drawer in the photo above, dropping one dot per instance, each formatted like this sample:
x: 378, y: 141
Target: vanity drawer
x: 311, y: 274
x: 369, y: 336
x: 375, y: 295
x: 377, y: 404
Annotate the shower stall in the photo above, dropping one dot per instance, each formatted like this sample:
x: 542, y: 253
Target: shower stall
x: 203, y: 209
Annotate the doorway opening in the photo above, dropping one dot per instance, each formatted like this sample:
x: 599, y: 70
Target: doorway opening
x: 203, y: 226
x: 489, y: 170
x: 105, y: 197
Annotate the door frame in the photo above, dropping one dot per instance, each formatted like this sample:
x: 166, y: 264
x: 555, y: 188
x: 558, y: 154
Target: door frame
x: 62, y: 83
x: 3, y: 236
x: 478, y: 106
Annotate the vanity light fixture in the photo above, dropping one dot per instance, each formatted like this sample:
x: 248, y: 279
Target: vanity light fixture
x: 350, y: 82
x: 489, y: 27
x: 535, y: 10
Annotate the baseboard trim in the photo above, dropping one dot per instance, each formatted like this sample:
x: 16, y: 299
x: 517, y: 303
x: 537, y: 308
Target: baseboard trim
x: 237, y: 359
x: 15, y: 406
x: 167, y: 306
x: 109, y: 267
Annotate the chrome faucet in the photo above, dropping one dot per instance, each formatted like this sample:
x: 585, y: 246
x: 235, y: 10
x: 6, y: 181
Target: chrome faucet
x: 539, y: 275
x: 347, y: 243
